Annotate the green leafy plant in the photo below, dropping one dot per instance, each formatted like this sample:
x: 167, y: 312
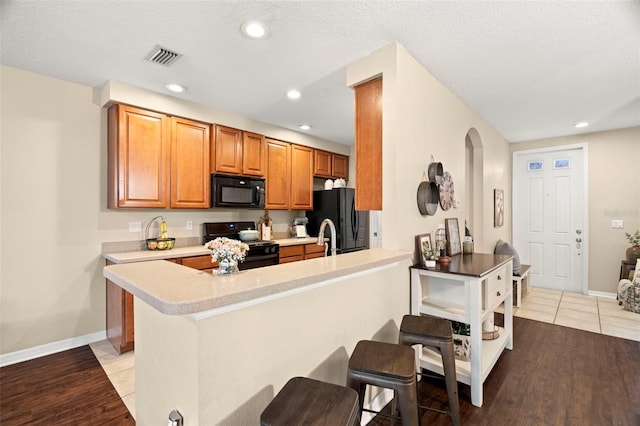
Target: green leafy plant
x: 634, y: 239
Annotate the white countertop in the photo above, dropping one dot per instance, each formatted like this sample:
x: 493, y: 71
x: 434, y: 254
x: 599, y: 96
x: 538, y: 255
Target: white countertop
x: 199, y: 250
x: 178, y: 290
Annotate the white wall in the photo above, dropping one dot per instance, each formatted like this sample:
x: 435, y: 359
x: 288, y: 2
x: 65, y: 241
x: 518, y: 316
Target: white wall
x: 53, y: 214
x: 422, y: 118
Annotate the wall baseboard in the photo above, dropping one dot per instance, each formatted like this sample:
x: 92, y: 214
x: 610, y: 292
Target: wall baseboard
x: 51, y: 348
x: 603, y: 294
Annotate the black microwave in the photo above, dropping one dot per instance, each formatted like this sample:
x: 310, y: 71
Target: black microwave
x: 237, y: 191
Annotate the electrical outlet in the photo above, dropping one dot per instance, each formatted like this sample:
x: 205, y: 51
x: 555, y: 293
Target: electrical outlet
x: 189, y: 225
x: 617, y: 224
x: 135, y: 227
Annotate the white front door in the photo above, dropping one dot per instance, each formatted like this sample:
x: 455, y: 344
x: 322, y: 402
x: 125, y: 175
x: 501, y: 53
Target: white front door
x: 550, y: 216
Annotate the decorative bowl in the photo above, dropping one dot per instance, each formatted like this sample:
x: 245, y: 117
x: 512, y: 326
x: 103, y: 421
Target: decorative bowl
x: 160, y: 244
x: 248, y: 235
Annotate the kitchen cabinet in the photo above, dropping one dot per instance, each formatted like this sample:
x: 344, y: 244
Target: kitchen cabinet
x: 293, y: 253
x: 190, y: 182
x: 301, y: 178
x: 119, y: 316
x: 138, y: 157
x: 467, y: 290
x: 156, y: 161
x: 289, y: 177
x: 202, y: 263
x: 278, y: 175
x: 368, y: 145
x: 237, y: 152
x: 297, y: 252
x: 330, y: 165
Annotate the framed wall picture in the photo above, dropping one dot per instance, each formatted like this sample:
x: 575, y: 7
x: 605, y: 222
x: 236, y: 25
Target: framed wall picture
x: 423, y: 248
x: 453, y: 236
x: 498, y: 208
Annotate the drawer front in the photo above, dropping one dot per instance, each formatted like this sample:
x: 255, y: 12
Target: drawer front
x: 310, y: 249
x: 286, y: 251
x: 198, y: 262
x: 495, y: 287
x: 290, y: 258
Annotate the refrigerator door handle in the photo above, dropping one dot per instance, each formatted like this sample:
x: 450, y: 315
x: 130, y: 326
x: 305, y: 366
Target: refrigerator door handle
x: 354, y: 221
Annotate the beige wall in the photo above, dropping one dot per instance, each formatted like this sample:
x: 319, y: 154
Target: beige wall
x: 422, y: 118
x: 225, y: 369
x: 53, y: 193
x: 614, y: 193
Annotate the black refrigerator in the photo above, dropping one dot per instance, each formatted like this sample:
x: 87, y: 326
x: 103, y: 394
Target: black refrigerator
x: 339, y: 205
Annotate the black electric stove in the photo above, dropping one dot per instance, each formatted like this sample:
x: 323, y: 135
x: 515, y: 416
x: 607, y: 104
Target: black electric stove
x: 261, y: 252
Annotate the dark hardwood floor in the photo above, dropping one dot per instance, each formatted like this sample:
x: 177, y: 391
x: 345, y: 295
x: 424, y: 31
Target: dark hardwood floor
x: 67, y: 388
x: 554, y: 376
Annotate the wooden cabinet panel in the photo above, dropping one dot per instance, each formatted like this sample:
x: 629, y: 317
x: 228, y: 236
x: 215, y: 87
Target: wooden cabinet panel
x: 138, y: 152
x: 253, y: 154
x: 301, y: 178
x: 278, y: 175
x: 202, y: 263
x: 227, y: 153
x: 293, y: 253
x: 340, y: 166
x: 369, y: 145
x: 119, y: 317
x: 313, y: 250
x: 322, y: 164
x: 190, y: 181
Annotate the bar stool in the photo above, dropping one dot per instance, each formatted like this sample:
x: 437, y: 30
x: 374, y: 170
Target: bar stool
x: 304, y: 401
x: 390, y: 366
x: 436, y: 333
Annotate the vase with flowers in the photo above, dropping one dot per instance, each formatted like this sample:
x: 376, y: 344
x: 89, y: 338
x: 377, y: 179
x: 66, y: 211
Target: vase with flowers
x: 227, y: 253
x: 633, y: 252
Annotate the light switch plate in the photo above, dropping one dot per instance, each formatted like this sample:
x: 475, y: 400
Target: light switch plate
x: 135, y: 227
x: 617, y: 224
x: 189, y: 225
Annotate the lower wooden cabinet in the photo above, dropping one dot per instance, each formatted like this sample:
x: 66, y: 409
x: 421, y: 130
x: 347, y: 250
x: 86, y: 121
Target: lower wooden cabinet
x: 202, y: 263
x: 299, y: 252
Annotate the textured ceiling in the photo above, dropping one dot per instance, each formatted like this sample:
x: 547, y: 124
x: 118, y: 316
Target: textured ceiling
x: 531, y: 69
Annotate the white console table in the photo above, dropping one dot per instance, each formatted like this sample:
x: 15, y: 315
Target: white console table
x: 468, y: 290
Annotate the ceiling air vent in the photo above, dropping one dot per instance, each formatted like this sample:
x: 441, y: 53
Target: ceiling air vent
x: 162, y: 56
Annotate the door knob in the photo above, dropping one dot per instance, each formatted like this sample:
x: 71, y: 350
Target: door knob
x: 578, y: 231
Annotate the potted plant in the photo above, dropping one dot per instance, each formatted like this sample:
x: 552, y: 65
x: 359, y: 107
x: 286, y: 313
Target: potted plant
x: 633, y: 252
x: 430, y: 258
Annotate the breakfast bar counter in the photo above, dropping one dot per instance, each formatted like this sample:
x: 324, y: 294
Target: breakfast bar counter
x: 219, y: 348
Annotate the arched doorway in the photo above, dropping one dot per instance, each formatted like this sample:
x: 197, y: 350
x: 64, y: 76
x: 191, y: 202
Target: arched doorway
x: 474, y: 178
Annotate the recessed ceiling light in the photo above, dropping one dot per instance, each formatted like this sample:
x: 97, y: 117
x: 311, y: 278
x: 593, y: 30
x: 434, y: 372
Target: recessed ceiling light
x: 304, y: 126
x: 581, y: 125
x: 173, y: 87
x: 254, y: 29
x: 293, y: 94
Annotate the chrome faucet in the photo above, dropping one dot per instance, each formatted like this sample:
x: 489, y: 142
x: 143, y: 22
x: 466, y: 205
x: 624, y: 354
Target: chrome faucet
x: 332, y: 227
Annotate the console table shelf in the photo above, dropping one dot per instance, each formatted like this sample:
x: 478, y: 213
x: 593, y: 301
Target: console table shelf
x: 468, y: 290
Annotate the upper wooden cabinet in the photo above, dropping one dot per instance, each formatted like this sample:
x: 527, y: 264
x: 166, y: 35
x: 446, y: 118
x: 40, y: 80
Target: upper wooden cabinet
x: 369, y: 145
x: 278, y: 174
x: 190, y: 182
x: 237, y: 152
x: 330, y: 165
x: 138, y: 157
x: 254, y: 147
x: 301, y: 178
x: 156, y: 161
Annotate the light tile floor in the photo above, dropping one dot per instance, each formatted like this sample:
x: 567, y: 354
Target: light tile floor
x: 590, y: 313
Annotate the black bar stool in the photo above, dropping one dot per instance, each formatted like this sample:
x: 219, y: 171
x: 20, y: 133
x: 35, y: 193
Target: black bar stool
x: 435, y: 333
x: 390, y: 366
x: 304, y: 401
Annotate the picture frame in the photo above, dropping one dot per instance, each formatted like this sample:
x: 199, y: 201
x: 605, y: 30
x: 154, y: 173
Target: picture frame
x: 423, y: 243
x: 453, y: 236
x: 498, y: 208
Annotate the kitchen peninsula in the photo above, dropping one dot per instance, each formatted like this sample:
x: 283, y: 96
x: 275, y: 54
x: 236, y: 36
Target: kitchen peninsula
x: 218, y: 348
